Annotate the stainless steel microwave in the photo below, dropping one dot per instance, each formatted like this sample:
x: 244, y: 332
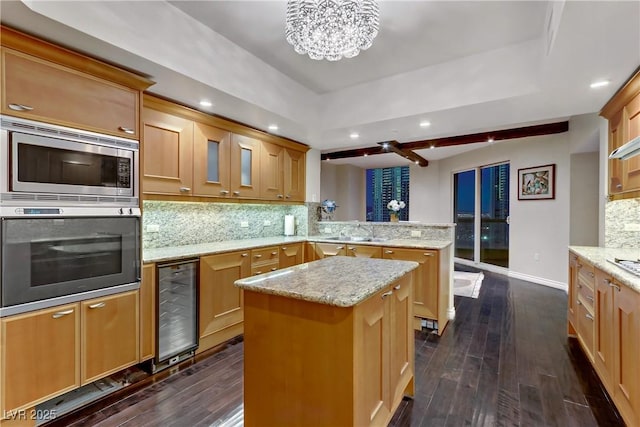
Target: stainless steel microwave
x: 54, y: 163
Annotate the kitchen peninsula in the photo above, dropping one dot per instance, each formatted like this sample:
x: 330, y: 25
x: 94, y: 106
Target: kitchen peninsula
x: 328, y: 342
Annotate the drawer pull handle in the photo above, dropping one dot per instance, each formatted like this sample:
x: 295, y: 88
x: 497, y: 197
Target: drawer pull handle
x: 245, y: 255
x: 225, y: 192
x: 386, y: 294
x: 396, y: 287
x: 284, y: 248
x: 619, y: 186
x: 59, y: 314
x: 579, y: 286
x: 579, y: 302
x: 288, y: 196
x: 388, y: 252
x: 588, y: 316
x: 274, y: 268
x: 590, y: 298
x: 97, y: 305
x: 280, y: 196
x: 613, y: 285
x: 592, y: 274
x: 339, y: 248
x: 579, y: 266
x: 258, y: 256
x: 126, y: 130
x: 236, y: 193
x: 428, y: 254
x: 20, y: 107
x: 274, y: 253
x: 185, y: 189
x: 258, y: 272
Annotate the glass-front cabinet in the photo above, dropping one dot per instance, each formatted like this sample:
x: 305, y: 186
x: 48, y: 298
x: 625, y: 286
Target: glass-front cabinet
x: 245, y: 167
x: 211, y: 148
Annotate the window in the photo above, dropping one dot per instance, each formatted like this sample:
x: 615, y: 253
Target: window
x: 384, y: 185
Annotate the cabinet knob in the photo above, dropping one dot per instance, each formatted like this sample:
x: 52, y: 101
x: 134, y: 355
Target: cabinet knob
x: 185, y: 189
x: 60, y: 314
x: 225, y: 192
x: 279, y: 196
x: 97, y: 305
x: 579, y: 286
x: 592, y: 274
x: 386, y: 294
x: 236, y: 193
x: 20, y: 107
x: 388, y: 252
x: 126, y: 130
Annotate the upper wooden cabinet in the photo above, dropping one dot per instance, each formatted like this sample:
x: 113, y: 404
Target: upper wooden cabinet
x: 623, y: 113
x: 46, y: 83
x: 190, y: 153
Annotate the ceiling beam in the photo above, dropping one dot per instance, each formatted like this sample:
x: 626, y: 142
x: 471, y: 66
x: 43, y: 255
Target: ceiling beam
x: 396, y: 147
x: 408, y: 147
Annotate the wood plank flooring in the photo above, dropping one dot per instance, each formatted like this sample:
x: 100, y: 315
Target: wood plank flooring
x: 504, y: 361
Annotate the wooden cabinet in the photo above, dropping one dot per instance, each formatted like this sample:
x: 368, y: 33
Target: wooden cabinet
x: 109, y: 335
x: 40, y: 356
x: 313, y: 364
x: 265, y: 260
x: 147, y: 312
x: 608, y: 329
x: 168, y: 155
x: 309, y: 251
x: 323, y: 250
x: 626, y: 348
x: 431, y: 286
x: 364, y: 251
x: 221, y: 302
x: 623, y: 113
x: 46, y: 83
x: 186, y: 154
x: 291, y: 254
x: 572, y: 294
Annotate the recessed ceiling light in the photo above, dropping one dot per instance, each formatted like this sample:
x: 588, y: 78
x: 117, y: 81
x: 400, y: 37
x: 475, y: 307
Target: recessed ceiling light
x: 433, y: 146
x: 365, y: 154
x: 206, y: 103
x: 425, y: 124
x: 354, y: 135
x: 328, y: 159
x: 490, y: 139
x: 417, y: 162
x: 601, y: 83
x: 385, y: 145
x: 273, y: 127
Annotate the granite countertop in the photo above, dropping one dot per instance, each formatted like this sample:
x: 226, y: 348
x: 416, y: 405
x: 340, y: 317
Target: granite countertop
x: 339, y: 281
x: 598, y: 257
x: 396, y: 243
x: 190, y: 251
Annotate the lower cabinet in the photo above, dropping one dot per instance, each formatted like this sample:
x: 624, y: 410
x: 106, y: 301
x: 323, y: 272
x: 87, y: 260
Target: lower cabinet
x: 291, y: 255
x: 290, y: 345
x: 51, y: 351
x: 147, y: 312
x: 364, y: 251
x: 323, y: 250
x: 220, y: 308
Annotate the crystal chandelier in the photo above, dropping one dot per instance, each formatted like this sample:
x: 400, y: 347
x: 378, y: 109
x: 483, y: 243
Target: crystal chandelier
x: 331, y: 29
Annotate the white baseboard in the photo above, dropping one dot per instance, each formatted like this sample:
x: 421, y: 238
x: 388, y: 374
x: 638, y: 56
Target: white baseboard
x: 504, y: 271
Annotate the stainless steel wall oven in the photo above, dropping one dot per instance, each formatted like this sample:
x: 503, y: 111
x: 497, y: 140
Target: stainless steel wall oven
x: 51, y: 256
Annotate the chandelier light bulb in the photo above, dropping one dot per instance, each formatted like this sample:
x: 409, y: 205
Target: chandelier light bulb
x: 331, y: 29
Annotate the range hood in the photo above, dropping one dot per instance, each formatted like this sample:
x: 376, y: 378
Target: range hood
x: 630, y: 149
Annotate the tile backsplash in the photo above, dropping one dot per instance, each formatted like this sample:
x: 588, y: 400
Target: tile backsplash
x: 188, y: 223
x: 622, y: 217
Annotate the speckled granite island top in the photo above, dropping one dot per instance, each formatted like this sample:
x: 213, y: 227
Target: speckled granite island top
x: 599, y: 258
x: 339, y: 281
x: 396, y: 243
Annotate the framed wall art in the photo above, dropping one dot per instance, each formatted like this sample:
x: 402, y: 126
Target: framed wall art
x: 537, y: 183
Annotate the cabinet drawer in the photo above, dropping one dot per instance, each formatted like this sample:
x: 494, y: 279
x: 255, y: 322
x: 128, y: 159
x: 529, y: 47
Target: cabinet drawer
x: 586, y: 329
x: 264, y: 267
x: 586, y: 296
x: 586, y: 274
x: 264, y: 255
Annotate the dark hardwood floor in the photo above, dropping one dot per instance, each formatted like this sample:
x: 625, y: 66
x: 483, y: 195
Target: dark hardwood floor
x: 504, y: 361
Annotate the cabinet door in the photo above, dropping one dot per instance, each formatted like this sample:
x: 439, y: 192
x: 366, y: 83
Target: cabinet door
x: 291, y: 255
x: 40, y: 356
x: 603, y: 344
x: 401, y: 339
x: 626, y: 328
x: 294, y: 175
x: 211, y: 160
x: 167, y: 152
x: 323, y: 250
x: 425, y: 289
x: 110, y: 335
x: 220, y: 299
x: 585, y: 328
x: 631, y: 167
x: 272, y: 171
x: 309, y: 251
x: 36, y: 89
x: 364, y: 251
x: 372, y: 335
x: 147, y: 312
x: 245, y: 167
x: 616, y: 139
x: 572, y: 296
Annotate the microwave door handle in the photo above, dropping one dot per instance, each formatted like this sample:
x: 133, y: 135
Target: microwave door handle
x: 75, y: 162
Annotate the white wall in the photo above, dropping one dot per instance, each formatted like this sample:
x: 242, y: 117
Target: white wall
x: 346, y: 185
x: 313, y: 176
x: 425, y: 204
x: 584, y: 205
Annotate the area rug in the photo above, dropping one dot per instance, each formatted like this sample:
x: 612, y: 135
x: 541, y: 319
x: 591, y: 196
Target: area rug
x: 467, y: 284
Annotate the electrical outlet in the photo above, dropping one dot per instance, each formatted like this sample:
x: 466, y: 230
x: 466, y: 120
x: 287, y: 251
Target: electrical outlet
x: 267, y: 222
x: 416, y: 233
x: 244, y: 224
x: 632, y: 226
x: 153, y: 228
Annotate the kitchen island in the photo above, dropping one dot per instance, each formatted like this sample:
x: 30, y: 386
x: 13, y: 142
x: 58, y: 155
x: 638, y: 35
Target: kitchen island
x: 328, y: 343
